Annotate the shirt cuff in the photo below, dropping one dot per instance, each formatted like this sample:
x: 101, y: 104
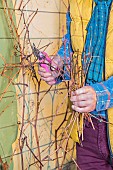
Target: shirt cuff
x: 103, y: 96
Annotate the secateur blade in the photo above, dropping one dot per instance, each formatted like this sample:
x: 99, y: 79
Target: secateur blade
x: 37, y: 53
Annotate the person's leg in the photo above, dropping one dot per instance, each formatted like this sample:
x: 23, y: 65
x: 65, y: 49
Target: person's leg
x: 94, y: 153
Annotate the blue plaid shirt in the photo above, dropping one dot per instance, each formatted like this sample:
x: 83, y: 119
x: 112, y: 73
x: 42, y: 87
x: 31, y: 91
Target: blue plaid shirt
x: 104, y: 89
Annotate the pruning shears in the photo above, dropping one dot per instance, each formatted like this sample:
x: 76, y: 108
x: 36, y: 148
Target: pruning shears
x: 42, y: 56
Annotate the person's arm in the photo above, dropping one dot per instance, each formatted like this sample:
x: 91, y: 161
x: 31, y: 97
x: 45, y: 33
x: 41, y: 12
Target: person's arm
x: 98, y: 96
x: 61, y: 60
x: 65, y: 51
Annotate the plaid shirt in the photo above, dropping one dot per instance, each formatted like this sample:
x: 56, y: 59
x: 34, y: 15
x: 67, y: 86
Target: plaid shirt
x: 104, y: 89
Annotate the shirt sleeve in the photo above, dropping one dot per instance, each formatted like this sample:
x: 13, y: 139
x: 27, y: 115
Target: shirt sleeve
x: 65, y: 51
x: 104, y: 92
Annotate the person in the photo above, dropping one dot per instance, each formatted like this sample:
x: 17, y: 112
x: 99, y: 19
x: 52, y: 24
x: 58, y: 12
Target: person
x: 90, y: 29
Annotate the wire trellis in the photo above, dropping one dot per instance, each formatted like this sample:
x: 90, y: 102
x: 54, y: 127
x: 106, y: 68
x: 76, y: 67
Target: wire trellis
x: 45, y: 119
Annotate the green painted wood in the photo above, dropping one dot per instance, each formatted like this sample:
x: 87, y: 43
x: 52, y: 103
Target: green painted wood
x: 8, y: 103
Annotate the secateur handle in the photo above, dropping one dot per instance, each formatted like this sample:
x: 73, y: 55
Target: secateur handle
x: 42, y: 61
x: 42, y: 57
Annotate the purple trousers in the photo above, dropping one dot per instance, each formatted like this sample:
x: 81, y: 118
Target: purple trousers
x: 94, y: 154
